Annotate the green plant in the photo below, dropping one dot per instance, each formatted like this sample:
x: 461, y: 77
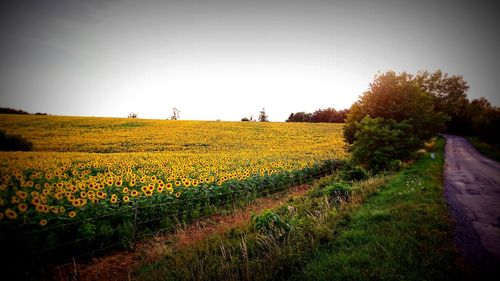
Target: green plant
x: 270, y: 223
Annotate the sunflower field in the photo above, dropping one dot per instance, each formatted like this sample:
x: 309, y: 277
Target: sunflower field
x: 91, y: 183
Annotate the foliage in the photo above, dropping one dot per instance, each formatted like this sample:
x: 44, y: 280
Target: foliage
x: 263, y: 116
x: 483, y: 120
x: 396, y: 97
x: 328, y: 115
x: 448, y: 94
x: 353, y: 173
x: 176, y: 114
x: 270, y: 223
x: 14, y: 142
x: 402, y: 233
x: 310, y: 222
x: 380, y: 142
x: 6, y: 110
x: 299, y: 117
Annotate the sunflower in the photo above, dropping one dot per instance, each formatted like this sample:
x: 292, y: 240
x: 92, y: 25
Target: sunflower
x: 15, y: 200
x: 178, y: 194
x: 39, y: 208
x: 135, y: 193
x: 72, y: 214
x: 169, y: 185
x: 125, y: 190
x: 177, y: 183
x: 10, y: 213
x: 22, y: 207
x: 21, y: 194
x: 126, y: 198
x: 43, y: 222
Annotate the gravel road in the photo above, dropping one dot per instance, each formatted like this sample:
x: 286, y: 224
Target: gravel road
x: 472, y: 192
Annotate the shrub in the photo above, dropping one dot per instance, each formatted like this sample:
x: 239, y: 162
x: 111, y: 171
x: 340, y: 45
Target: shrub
x: 14, y: 143
x: 380, y: 141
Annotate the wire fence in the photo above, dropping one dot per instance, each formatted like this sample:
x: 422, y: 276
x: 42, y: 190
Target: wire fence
x: 147, y: 220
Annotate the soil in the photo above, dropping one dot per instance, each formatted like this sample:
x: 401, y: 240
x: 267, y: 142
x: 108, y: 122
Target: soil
x: 472, y: 192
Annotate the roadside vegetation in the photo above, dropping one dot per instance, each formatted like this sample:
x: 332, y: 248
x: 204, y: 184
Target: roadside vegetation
x: 402, y: 233
x: 490, y: 150
x: 276, y: 243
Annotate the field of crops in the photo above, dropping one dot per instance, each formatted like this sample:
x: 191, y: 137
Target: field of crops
x: 86, y: 168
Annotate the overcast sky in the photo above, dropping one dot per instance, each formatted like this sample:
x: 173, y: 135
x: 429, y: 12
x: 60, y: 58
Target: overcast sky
x: 228, y: 59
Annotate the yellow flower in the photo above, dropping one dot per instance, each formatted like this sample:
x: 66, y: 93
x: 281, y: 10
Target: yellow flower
x: 178, y: 194
x: 126, y: 198
x: 21, y: 194
x: 10, y: 213
x: 22, y: 207
x: 43, y: 222
x: 72, y: 214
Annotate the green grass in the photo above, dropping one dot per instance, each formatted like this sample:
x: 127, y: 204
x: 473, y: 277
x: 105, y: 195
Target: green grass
x: 403, y: 233
x: 485, y: 148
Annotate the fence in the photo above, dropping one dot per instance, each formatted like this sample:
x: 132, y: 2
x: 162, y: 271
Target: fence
x: 120, y: 229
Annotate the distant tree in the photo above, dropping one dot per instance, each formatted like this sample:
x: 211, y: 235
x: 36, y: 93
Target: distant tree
x: 132, y: 115
x: 245, y: 119
x: 299, y: 117
x: 328, y: 115
x: 483, y: 120
x: 6, y: 110
x: 263, y: 116
x: 175, y: 114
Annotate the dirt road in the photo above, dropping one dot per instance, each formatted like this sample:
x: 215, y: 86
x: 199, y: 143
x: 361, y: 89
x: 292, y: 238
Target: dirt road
x: 472, y: 191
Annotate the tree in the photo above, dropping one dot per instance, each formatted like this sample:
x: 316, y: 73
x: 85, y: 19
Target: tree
x: 299, y: 117
x: 400, y: 98
x: 262, y: 116
x: 449, y: 94
x: 328, y: 115
x: 132, y: 115
x: 175, y: 114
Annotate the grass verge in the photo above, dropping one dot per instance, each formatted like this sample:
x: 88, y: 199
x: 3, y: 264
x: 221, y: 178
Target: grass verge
x: 275, y: 243
x: 403, y: 233
x: 485, y: 148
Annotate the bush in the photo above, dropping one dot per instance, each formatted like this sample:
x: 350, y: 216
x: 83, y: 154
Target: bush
x: 379, y: 142
x: 353, y: 173
x: 14, y: 143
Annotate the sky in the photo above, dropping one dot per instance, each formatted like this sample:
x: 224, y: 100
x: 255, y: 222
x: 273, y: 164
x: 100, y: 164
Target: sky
x: 228, y: 59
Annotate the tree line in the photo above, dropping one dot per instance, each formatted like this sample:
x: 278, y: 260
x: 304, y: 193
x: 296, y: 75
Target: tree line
x: 328, y: 115
x: 7, y: 110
